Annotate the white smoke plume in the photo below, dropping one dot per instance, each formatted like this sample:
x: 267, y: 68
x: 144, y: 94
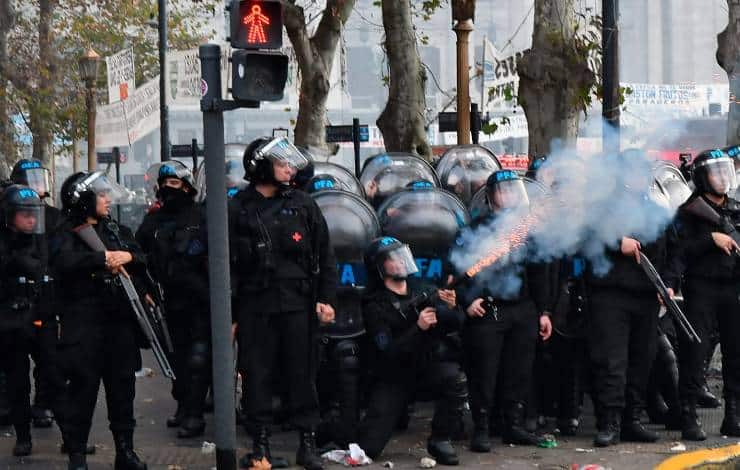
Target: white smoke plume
x: 593, y: 201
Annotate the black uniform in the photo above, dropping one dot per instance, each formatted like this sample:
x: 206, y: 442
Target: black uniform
x: 711, y: 285
x: 622, y: 337
x: 278, y: 244
x: 171, y: 239
x: 502, y: 342
x: 406, y: 364
x: 99, y: 334
x: 48, y: 381
x: 23, y: 285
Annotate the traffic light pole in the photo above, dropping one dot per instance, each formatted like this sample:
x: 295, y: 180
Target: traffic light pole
x: 212, y: 106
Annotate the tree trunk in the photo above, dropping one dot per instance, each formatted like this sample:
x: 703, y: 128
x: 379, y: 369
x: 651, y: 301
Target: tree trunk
x: 728, y: 57
x: 39, y: 120
x: 7, y: 147
x: 402, y: 120
x: 315, y: 57
x: 553, y: 77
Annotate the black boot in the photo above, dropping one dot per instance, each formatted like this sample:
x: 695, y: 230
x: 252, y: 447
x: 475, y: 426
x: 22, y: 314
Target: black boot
x: 22, y: 445
x: 706, y: 399
x: 442, y: 451
x: 730, y: 425
x: 691, y: 429
x: 126, y: 458
x: 41, y: 417
x: 89, y: 449
x: 191, y: 426
x: 481, y: 441
x: 261, y: 449
x: 514, y: 432
x: 306, y: 455
x: 568, y: 426
x: 607, y: 429
x: 77, y: 462
x: 175, y: 420
x: 632, y: 429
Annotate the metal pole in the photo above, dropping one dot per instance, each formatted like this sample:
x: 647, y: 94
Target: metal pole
x: 164, y: 123
x: 475, y: 123
x: 194, y: 155
x: 356, y: 140
x: 462, y: 30
x: 610, y: 76
x: 117, y: 158
x: 483, y: 77
x: 218, y: 257
x: 90, y: 102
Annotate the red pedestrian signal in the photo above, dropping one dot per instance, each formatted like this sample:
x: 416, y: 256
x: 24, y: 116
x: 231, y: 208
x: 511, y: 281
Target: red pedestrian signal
x: 256, y: 24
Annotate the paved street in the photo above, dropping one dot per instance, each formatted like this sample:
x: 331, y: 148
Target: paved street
x: 163, y: 451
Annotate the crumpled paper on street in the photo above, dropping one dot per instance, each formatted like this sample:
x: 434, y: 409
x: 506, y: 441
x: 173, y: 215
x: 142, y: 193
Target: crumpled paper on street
x: 354, y: 457
x: 678, y: 447
x: 426, y: 462
x: 207, y: 448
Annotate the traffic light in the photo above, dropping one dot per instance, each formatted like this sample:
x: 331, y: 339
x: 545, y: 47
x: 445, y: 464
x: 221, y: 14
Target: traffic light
x: 259, y: 73
x: 256, y: 24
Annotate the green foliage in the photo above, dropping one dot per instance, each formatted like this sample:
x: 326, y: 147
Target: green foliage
x: 47, y: 83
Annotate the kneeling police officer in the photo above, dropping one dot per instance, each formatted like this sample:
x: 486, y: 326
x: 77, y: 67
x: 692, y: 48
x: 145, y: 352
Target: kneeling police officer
x: 403, y: 340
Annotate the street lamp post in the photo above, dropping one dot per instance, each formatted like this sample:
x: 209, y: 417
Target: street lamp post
x: 463, y: 13
x: 89, y: 64
x: 164, y: 122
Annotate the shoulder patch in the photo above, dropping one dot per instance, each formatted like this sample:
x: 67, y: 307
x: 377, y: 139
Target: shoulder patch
x: 382, y: 341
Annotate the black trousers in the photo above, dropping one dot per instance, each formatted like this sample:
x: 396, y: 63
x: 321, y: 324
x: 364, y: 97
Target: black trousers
x: 708, y: 303
x: 622, y: 342
x: 107, y: 353
x: 339, y: 390
x: 190, y: 331
x: 505, y: 346
x: 441, y: 381
x: 558, y: 376
x: 280, y: 343
x: 15, y: 347
x: 46, y: 374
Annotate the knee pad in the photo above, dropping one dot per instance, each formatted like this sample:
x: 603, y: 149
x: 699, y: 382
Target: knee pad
x: 347, y: 355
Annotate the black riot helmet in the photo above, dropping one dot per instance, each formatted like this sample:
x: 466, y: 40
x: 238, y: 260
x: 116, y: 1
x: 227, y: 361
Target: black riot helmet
x: 176, y: 169
x: 713, y: 172
x: 534, y: 166
x: 23, y: 210
x: 388, y: 257
x: 80, y: 191
x: 32, y: 173
x: 263, y: 153
x: 505, y: 190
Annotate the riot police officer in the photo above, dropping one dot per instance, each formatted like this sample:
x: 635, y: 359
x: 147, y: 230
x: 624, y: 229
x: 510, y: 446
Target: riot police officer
x: 24, y: 279
x: 704, y: 255
x: 171, y: 239
x: 285, y: 275
x: 503, y: 320
x: 403, y: 339
x: 47, y: 381
x: 98, y: 329
x: 624, y: 308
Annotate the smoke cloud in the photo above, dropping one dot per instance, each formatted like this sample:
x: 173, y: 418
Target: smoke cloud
x: 593, y: 200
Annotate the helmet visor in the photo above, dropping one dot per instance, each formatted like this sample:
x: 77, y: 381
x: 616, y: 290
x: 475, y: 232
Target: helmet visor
x: 99, y: 184
x: 38, y: 180
x: 28, y: 219
x: 720, y: 175
x: 510, y: 194
x: 282, y: 151
x: 397, y: 263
